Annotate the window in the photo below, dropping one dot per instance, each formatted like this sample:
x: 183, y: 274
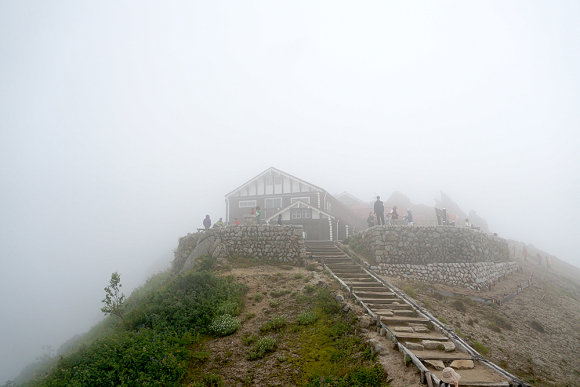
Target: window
x: 247, y: 203
x: 302, y: 214
x: 328, y: 207
x: 268, y: 180
x: 273, y: 202
x: 305, y: 200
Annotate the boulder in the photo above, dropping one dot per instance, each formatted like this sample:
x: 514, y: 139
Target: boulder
x: 414, y: 346
x: 436, y: 364
x: 430, y: 344
x: 462, y: 364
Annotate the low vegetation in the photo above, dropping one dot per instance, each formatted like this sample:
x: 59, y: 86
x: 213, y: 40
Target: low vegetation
x: 167, y: 333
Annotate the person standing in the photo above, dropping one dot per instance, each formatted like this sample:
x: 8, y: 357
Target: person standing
x: 279, y: 220
x: 525, y: 252
x: 548, y: 263
x: 207, y: 222
x: 258, y: 214
x: 539, y: 260
x: 409, y: 217
x: 380, y: 211
x: 394, y: 215
x: 371, y: 220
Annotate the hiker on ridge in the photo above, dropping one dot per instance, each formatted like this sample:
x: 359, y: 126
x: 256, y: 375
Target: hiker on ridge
x: 380, y: 211
x: 525, y: 252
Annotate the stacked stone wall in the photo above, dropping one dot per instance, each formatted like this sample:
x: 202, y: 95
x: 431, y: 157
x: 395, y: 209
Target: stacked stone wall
x: 475, y: 276
x: 453, y: 255
x: 274, y: 243
x: 431, y: 244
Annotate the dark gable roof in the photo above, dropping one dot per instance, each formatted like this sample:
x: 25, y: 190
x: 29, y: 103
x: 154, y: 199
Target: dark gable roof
x: 272, y: 169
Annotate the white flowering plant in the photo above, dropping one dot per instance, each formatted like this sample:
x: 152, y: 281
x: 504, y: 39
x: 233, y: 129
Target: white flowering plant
x: 225, y: 325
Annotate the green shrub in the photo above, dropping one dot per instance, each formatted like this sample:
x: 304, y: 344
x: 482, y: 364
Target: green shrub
x: 275, y: 324
x: 187, y: 302
x: 494, y: 327
x: 144, y: 357
x: 258, y: 297
x: 458, y: 305
x: 224, y: 325
x: 410, y: 291
x: 262, y: 346
x: 480, y: 348
x: 229, y: 307
x: 307, y: 318
x: 273, y: 303
x: 249, y: 339
x: 360, y: 376
x: 205, y: 262
x: 537, y: 326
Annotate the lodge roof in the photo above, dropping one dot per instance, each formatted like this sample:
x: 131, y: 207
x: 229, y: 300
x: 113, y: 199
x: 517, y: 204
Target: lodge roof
x: 270, y: 170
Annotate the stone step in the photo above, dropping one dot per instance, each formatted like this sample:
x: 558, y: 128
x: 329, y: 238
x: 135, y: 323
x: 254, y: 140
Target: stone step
x: 384, y: 301
x: 376, y: 296
x: 363, y: 288
x: 348, y: 279
x: 420, y: 336
x: 345, y: 269
x: 443, y: 356
x: 381, y: 307
x: 402, y: 320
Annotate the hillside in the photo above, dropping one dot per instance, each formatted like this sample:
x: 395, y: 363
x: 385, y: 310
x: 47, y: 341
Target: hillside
x: 294, y: 329
x: 238, y: 324
x: 535, y: 335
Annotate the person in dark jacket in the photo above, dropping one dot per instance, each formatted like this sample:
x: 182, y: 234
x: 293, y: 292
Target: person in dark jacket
x: 371, y: 220
x: 207, y: 222
x: 380, y: 211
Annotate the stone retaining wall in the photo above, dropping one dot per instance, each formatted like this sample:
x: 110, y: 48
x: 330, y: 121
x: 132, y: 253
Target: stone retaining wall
x: 431, y: 244
x: 475, y: 276
x: 277, y: 243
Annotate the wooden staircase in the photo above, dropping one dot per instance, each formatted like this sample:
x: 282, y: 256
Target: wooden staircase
x: 429, y: 344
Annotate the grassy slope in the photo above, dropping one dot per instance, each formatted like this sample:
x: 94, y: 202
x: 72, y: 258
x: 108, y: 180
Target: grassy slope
x: 169, y: 339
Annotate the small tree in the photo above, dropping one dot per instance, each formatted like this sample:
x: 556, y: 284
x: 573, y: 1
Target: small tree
x: 114, y: 298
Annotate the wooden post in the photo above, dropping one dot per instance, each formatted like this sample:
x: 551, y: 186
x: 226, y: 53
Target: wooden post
x: 429, y: 379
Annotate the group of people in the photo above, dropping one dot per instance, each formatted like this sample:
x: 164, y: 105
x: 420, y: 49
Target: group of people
x: 539, y: 259
x: 377, y: 218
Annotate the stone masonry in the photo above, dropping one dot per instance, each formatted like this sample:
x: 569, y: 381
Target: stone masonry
x: 432, y: 244
x: 453, y: 255
x: 276, y: 243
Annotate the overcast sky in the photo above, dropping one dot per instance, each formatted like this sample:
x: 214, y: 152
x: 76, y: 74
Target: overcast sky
x: 123, y: 123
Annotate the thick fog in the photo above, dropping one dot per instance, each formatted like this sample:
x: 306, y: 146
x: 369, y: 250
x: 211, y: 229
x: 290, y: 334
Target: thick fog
x: 123, y: 123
